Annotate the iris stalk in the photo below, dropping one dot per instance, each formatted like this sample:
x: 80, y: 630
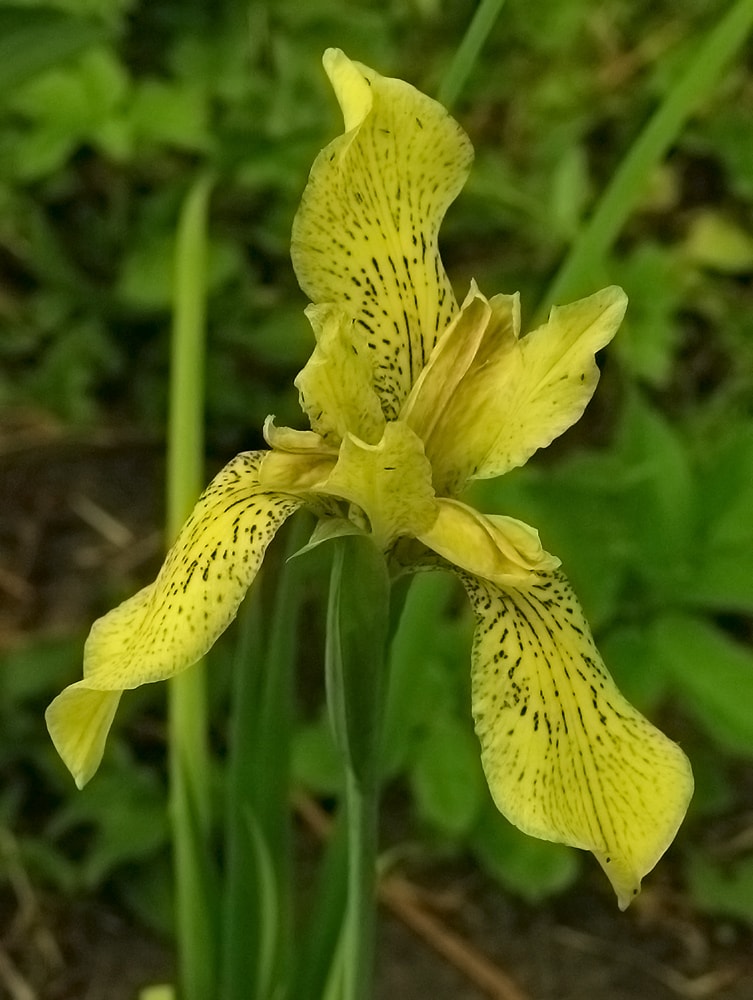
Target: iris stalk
x: 357, y: 630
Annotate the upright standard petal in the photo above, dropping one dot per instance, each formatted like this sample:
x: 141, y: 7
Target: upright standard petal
x: 337, y: 384
x: 519, y: 395
x: 171, y: 623
x: 365, y: 236
x: 567, y: 758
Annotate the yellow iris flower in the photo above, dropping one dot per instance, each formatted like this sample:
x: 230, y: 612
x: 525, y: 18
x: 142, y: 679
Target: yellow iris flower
x: 410, y: 397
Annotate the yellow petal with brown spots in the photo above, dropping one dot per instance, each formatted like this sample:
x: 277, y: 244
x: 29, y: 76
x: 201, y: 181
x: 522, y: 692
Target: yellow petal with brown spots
x: 337, y: 384
x: 567, y: 758
x: 365, y: 236
x: 171, y: 623
x: 519, y: 395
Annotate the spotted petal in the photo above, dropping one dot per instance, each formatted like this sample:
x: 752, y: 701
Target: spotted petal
x: 336, y: 386
x: 365, y: 236
x: 171, y: 623
x: 567, y: 758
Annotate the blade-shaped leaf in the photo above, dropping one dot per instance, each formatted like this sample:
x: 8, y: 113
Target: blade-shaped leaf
x: 32, y: 39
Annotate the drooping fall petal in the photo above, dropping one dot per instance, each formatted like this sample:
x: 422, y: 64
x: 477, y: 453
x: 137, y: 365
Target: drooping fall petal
x: 171, y: 623
x: 567, y: 758
x: 365, y: 236
x: 520, y: 395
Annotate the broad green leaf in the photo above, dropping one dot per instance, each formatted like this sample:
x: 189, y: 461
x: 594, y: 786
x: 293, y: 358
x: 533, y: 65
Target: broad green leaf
x: 658, y: 508
x: 126, y: 809
x: 648, y: 338
x: 722, y: 889
x: 632, y: 660
x: 723, y: 580
x: 417, y: 687
x: 316, y: 765
x: 726, y: 488
x: 32, y: 39
x: 713, y: 676
x: 446, y: 776
x: 533, y: 869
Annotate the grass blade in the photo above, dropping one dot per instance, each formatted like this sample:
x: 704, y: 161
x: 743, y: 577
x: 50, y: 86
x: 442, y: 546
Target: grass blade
x: 575, y: 276
x: 189, y: 753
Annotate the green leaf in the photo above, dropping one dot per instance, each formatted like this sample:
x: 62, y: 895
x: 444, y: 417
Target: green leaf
x: 126, y: 808
x: 32, y: 39
x: 357, y: 628
x: 726, y: 488
x: 632, y: 660
x: 34, y: 670
x: 727, y: 890
x: 446, y: 777
x: 170, y: 113
x: 658, y: 506
x: 723, y: 580
x: 654, y: 284
x: 417, y: 687
x: 255, y: 932
x: 316, y: 765
x: 533, y: 869
x: 713, y: 675
x: 699, y: 76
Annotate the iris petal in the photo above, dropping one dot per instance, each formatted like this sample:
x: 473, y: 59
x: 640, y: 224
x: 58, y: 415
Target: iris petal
x: 519, y: 395
x: 79, y: 720
x: 497, y: 548
x: 172, y: 622
x: 336, y: 386
x: 390, y: 482
x: 365, y: 236
x: 567, y: 758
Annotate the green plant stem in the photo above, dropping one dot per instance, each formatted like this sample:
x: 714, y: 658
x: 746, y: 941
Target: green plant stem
x: 467, y: 52
x: 628, y: 184
x: 362, y: 817
x: 256, y: 935
x: 189, y: 754
x: 358, y: 623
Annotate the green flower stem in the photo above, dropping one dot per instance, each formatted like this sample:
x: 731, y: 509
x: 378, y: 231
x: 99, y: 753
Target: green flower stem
x: 189, y: 753
x: 575, y: 276
x: 362, y: 817
x: 468, y: 50
x: 358, y: 624
x: 256, y: 934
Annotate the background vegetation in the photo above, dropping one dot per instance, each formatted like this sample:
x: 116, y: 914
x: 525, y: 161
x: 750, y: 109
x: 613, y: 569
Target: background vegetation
x: 109, y: 110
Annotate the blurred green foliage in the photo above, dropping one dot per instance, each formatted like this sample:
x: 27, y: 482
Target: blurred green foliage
x: 108, y: 110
